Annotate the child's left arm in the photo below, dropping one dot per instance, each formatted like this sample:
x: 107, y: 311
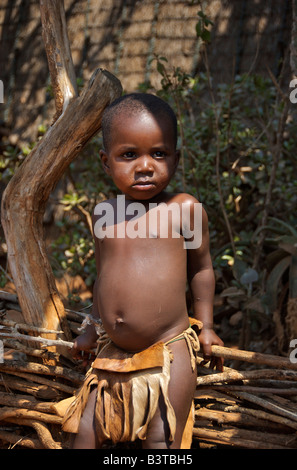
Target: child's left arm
x: 202, y: 286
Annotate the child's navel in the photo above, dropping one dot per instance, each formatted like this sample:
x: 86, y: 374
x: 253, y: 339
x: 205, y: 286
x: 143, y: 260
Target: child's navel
x: 118, y: 322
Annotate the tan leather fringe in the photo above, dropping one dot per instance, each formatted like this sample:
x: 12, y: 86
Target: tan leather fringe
x: 128, y: 390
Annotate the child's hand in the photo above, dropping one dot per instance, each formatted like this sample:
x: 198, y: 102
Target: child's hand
x: 208, y: 338
x: 83, y: 346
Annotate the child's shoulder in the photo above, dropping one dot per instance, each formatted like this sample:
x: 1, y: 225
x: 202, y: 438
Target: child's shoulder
x: 187, y: 200
x: 184, y: 198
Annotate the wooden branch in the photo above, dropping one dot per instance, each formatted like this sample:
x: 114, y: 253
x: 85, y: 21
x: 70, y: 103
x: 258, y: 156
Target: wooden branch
x: 49, y: 384
x: 55, y: 37
x: 266, y: 404
x: 284, y: 401
x: 22, y: 441
x: 254, y: 357
x: 42, y: 391
x: 38, y: 339
x: 11, y: 412
x: 25, y: 196
x: 8, y: 296
x: 42, y: 353
x: 209, y: 394
x: 24, y: 326
x: 41, y: 429
x: 236, y: 418
x: 255, y: 390
x: 80, y: 210
x: 76, y: 315
x: 293, y: 48
x: 35, y: 368
x: 276, y: 384
x: 241, y: 438
x: 276, y: 151
x: 24, y: 199
x: 219, y: 351
x: 259, y: 414
x: 232, y: 375
x: 25, y: 401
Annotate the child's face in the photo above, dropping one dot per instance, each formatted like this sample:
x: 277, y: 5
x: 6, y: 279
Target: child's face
x: 141, y: 158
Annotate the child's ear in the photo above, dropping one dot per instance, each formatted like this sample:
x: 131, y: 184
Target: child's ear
x: 104, y: 159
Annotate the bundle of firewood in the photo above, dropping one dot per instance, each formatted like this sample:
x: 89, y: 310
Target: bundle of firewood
x: 250, y: 408
x: 254, y: 408
x: 33, y: 382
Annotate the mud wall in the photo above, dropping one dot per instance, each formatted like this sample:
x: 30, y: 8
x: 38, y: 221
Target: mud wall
x: 123, y: 35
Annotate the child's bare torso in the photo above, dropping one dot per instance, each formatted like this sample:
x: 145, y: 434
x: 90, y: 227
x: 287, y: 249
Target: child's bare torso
x: 142, y: 285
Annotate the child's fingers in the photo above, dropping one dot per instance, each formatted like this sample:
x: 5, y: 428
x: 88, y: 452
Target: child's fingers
x: 86, y: 356
x: 214, y: 363
x: 217, y: 363
x: 207, y: 355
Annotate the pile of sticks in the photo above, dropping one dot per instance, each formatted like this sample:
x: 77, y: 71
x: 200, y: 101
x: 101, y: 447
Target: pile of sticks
x: 255, y: 407
x: 33, y: 382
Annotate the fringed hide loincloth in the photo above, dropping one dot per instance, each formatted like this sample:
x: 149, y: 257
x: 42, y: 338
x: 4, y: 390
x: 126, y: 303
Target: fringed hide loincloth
x: 129, y: 386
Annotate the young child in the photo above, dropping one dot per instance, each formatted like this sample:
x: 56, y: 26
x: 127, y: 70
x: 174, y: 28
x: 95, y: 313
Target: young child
x: 142, y: 382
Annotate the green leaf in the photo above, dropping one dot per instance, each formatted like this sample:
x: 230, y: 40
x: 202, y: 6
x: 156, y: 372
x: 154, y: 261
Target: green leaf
x: 285, y: 225
x: 239, y: 267
x: 161, y: 68
x: 232, y: 292
x: 288, y: 244
x: 273, y: 281
x: 293, y: 278
x: 206, y: 35
x: 249, y: 276
x: 199, y: 28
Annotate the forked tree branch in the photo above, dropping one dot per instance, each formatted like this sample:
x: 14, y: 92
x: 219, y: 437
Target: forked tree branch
x: 25, y: 197
x: 55, y: 37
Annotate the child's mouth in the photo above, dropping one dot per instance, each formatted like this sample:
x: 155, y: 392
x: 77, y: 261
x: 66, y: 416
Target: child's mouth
x: 144, y: 185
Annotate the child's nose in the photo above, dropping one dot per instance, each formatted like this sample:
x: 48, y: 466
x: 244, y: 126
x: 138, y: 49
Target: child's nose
x: 144, y: 164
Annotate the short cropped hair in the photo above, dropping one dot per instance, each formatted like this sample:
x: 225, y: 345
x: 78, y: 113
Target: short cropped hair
x: 133, y: 104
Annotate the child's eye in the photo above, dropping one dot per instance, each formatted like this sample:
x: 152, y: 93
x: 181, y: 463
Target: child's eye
x: 129, y: 155
x: 159, y: 154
